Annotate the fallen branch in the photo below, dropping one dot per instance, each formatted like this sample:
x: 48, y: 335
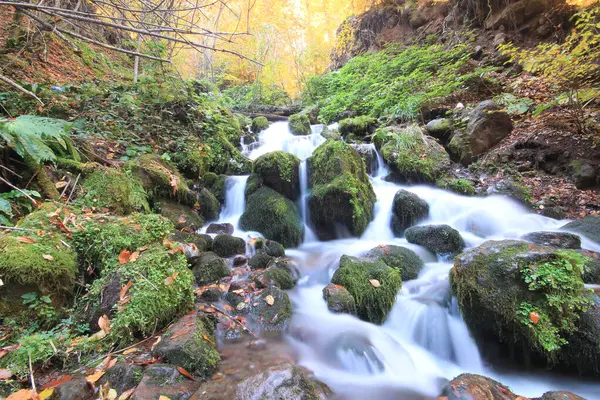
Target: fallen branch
x: 20, y: 88
x: 34, y: 201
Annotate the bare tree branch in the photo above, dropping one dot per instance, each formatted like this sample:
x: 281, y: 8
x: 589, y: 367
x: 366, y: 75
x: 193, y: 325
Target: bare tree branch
x: 20, y: 88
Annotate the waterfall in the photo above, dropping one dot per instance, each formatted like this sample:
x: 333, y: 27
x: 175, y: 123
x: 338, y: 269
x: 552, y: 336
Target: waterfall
x: 235, y: 200
x: 309, y: 235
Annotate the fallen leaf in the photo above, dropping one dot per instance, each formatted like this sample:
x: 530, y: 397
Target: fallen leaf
x: 270, y: 300
x: 5, y: 374
x: 171, y: 279
x: 47, y: 257
x: 126, y: 394
x: 158, y: 339
x: 57, y: 382
x: 163, y: 398
x: 95, y: 377
x: 3, y: 353
x: 23, y: 394
x: 104, y: 324
x: 386, y: 252
x: 112, y: 363
x: 46, y: 393
x: 60, y: 184
x: 375, y: 283
x: 124, y: 256
x: 134, y: 256
x: 183, y: 372
x: 125, y: 289
x: 25, y: 239
x: 208, y: 339
x: 239, y: 307
x: 112, y: 394
x: 534, y: 317
x: 129, y: 351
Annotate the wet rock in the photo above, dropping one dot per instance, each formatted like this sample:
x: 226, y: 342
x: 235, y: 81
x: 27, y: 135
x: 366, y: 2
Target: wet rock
x: 209, y: 205
x: 227, y: 245
x: 280, y: 171
x: 329, y: 133
x: 584, y: 174
x: 190, y: 344
x: 202, y: 242
x: 560, y: 396
x: 271, y: 247
x: 358, y: 127
x: 560, y: 240
x: 259, y: 124
x: 364, y: 356
x: 109, y: 297
x: 211, y: 295
x: 282, y: 382
x: 275, y: 276
x: 275, y: 316
x: 591, y: 269
x: 208, y: 268
x: 274, y: 216
x: 476, y: 387
x: 121, y: 377
x: 342, y: 198
x: 405, y: 260
x: 588, y: 227
x: 299, y: 124
x: 440, y: 129
x: 240, y: 261
x: 75, y: 389
x: 220, y: 228
x: 487, y: 126
x: 408, y: 209
x: 439, y: 239
x: 260, y: 260
x: 164, y: 380
x: 236, y: 296
x: 511, y: 189
x: 339, y: 299
x: 216, y: 184
x: 372, y: 283
x: 182, y: 216
x: 555, y: 212
x: 368, y: 155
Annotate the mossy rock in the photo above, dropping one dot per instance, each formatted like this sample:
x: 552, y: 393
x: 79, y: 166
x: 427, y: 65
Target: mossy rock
x: 260, y: 260
x: 216, y: 184
x: 329, y: 133
x: 190, y: 158
x: 253, y: 183
x: 209, y: 205
x: 408, y: 209
x: 373, y: 285
x: 192, y: 349
x: 280, y: 171
x: 274, y: 216
x: 209, y: 268
x: 414, y: 157
x: 591, y: 268
x: 440, y: 128
x: 342, y: 195
x: 202, y: 241
x: 299, y: 124
x: 560, y: 240
x: 457, y: 185
x: 514, y: 190
x: 404, y: 260
x: 181, y: 216
x: 588, y: 227
x: 521, y: 296
x: 339, y: 299
x: 227, y: 246
x: 272, y: 317
x: 439, y: 239
x: 357, y: 127
x: 119, y: 191
x: 259, y: 124
x: 271, y: 247
x: 275, y: 276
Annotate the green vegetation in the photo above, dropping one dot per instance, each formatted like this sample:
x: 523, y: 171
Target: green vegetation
x: 280, y: 171
x: 394, y: 83
x: 299, y: 124
x: 259, y: 124
x: 256, y: 96
x: 456, y: 185
x: 404, y: 260
x: 119, y: 191
x: 358, y: 127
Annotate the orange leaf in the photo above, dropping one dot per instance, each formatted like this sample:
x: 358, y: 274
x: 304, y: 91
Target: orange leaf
x: 183, y: 372
x: 95, y: 377
x: 125, y: 289
x: 47, y: 257
x: 3, y: 353
x: 208, y: 339
x: 126, y: 394
x: 534, y: 317
x: 25, y: 239
x: 386, y: 252
x: 375, y: 283
x: 134, y: 256
x: 57, y: 382
x: 129, y: 351
x: 23, y: 394
x: 104, y: 324
x: 171, y: 279
x: 124, y: 256
x: 5, y: 374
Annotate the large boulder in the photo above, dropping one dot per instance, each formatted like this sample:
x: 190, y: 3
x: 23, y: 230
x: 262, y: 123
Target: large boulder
x: 439, y: 239
x: 588, y: 227
x: 408, y: 210
x: 514, y: 295
x: 487, y: 126
x: 282, y: 382
x: 274, y: 216
x: 216, y: 184
x: 413, y: 157
x: 280, y: 171
x: 209, y: 267
x: 476, y: 387
x: 209, y: 206
x: 342, y: 198
x: 227, y: 246
x: 299, y: 124
x: 259, y: 124
x: 404, y: 260
x: 561, y: 240
x: 161, y: 381
x: 440, y: 129
x: 584, y: 174
x: 182, y: 216
x: 373, y: 285
x: 358, y: 127
x: 272, y: 310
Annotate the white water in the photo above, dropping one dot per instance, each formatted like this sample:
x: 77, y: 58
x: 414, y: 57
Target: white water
x: 424, y: 341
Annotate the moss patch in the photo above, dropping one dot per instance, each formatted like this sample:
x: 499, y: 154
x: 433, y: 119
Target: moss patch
x: 280, y: 171
x: 358, y: 127
x: 216, y: 184
x: 457, y: 185
x: 161, y: 179
x: 259, y: 124
x: 120, y: 192
x: 299, y: 124
x: 404, y: 260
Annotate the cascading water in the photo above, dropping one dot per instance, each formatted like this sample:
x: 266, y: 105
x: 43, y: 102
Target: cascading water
x: 424, y: 341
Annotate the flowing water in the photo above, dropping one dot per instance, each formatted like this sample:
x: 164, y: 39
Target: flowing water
x: 424, y: 342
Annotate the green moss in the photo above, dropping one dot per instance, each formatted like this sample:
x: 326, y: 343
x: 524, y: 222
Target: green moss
x: 280, y: 171
x: 208, y: 268
x: 372, y: 303
x: 216, y: 184
x: 274, y: 317
x: 274, y: 216
x: 404, y: 260
x: 77, y: 166
x: 181, y: 216
x: 259, y: 124
x: 358, y: 127
x: 226, y: 245
x: 332, y: 159
x: 253, y: 183
x: 299, y: 124
x: 209, y: 205
x: 280, y: 277
x: 191, y: 158
x: 456, y: 185
x: 161, y: 179
x: 120, y: 192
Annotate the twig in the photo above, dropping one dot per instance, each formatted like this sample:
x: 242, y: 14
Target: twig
x: 31, y: 375
x: 233, y: 319
x: 34, y: 201
x: 74, y: 187
x: 20, y: 88
x: 11, y: 171
x: 64, y: 190
x: 12, y: 228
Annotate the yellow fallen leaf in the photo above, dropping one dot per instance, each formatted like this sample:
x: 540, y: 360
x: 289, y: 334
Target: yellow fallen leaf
x: 104, y: 324
x: 270, y: 300
x: 127, y: 394
x: 134, y: 256
x: 112, y: 394
x: 47, y: 257
x: 95, y: 377
x: 164, y: 398
x: 46, y: 393
x: 129, y: 351
x: 60, y: 184
x: 171, y: 279
x: 375, y: 283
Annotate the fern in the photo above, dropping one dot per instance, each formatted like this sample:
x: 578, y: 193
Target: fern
x: 29, y: 135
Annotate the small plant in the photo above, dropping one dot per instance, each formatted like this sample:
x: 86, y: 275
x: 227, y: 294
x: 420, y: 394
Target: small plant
x: 514, y: 105
x: 41, y: 306
x: 20, y: 201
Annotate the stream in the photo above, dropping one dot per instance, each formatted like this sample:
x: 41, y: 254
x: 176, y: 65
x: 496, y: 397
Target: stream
x: 424, y: 341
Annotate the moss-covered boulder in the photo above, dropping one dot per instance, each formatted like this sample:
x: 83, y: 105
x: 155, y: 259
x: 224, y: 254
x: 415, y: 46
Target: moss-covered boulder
x: 521, y: 296
x: 274, y: 216
x: 414, y: 157
x: 202, y: 242
x: 408, y: 209
x: 588, y: 227
x: 373, y: 285
x: 182, y: 216
x: 161, y: 179
x: 342, y: 196
x: 439, y: 239
x: 208, y: 205
x: 271, y: 247
x: 216, y: 184
x: 591, y: 268
x: 119, y: 191
x: 358, y: 127
x: 190, y: 344
x: 272, y: 310
x: 208, y: 268
x: 339, y: 299
x: 457, y: 185
x: 280, y: 171
x: 330, y: 133
x: 227, y: 246
x: 275, y: 275
x: 512, y: 189
x: 299, y: 124
x: 440, y: 129
x: 260, y: 260
x: 259, y: 124
x: 561, y: 240
x: 404, y: 260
